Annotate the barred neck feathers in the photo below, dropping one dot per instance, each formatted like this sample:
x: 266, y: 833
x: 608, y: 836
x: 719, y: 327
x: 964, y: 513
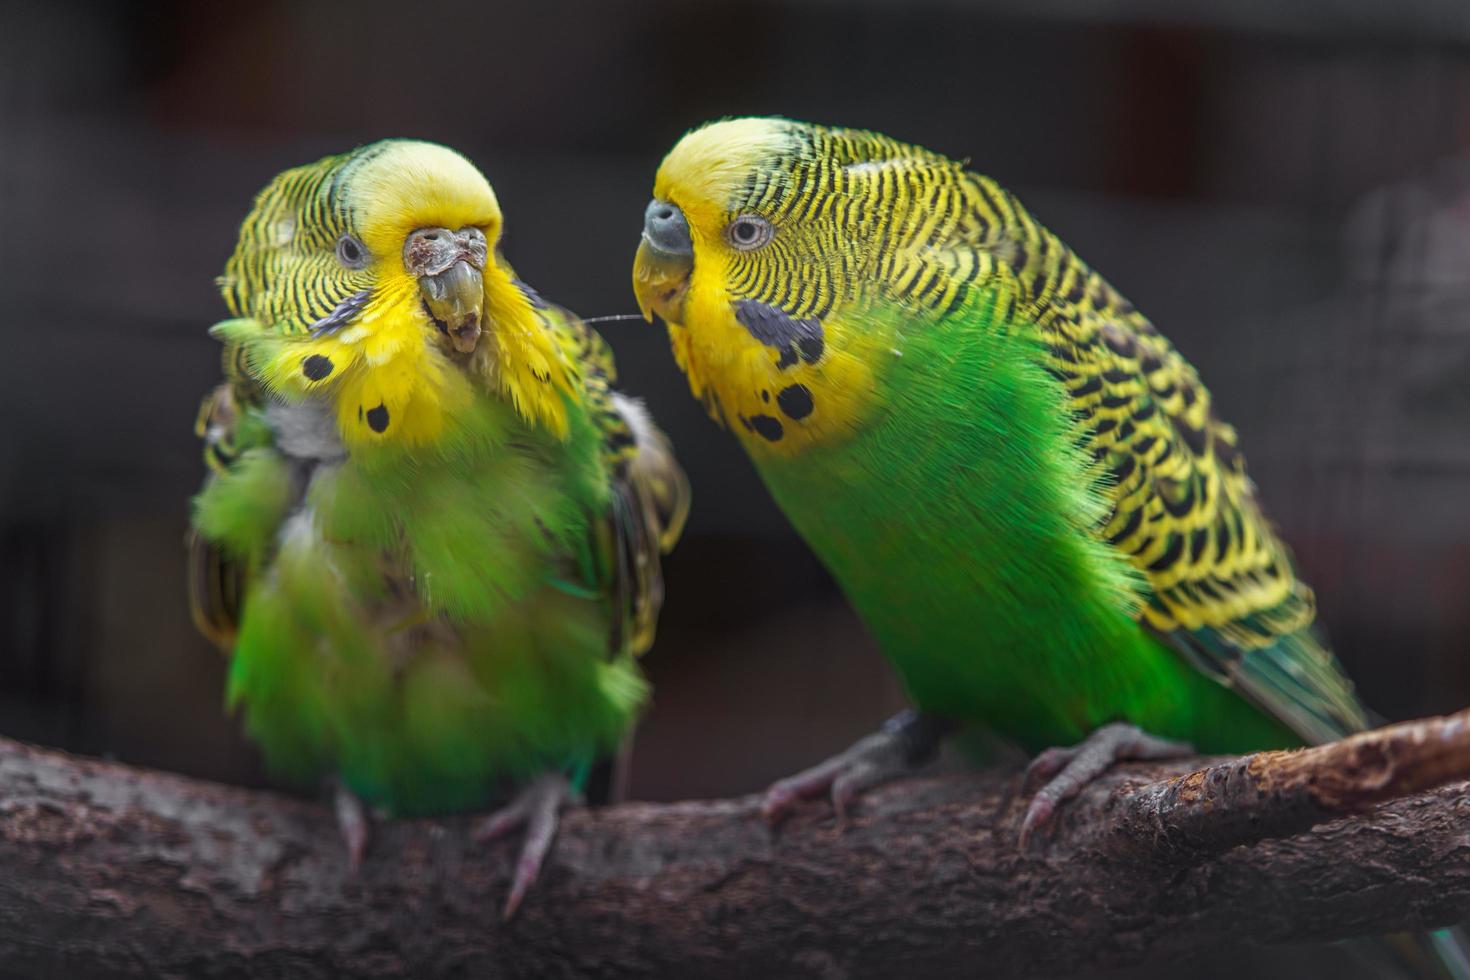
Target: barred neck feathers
x: 320, y: 268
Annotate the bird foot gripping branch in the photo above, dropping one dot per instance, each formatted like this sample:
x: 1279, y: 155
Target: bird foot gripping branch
x: 1060, y: 773
x: 905, y: 743
x: 537, y: 808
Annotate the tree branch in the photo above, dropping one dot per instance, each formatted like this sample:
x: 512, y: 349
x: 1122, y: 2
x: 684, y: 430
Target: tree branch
x: 114, y: 872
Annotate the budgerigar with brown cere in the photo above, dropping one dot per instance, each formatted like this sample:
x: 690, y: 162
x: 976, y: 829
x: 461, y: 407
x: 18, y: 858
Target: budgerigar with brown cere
x: 431, y: 537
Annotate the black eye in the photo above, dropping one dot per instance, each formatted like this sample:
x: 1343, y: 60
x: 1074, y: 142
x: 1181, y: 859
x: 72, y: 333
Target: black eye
x: 748, y: 232
x: 351, y: 252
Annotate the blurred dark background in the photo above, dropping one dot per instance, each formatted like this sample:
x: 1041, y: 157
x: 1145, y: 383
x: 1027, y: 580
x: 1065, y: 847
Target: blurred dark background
x: 1284, y: 188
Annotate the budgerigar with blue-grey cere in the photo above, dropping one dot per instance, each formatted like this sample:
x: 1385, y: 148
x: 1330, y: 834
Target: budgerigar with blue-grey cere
x: 431, y: 537
x: 1020, y: 484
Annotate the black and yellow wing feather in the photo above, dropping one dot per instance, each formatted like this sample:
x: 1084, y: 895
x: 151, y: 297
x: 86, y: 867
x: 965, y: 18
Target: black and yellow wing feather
x: 1221, y: 587
x: 217, y: 580
x: 649, y: 494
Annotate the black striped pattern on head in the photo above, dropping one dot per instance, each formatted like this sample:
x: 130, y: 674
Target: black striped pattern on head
x: 854, y: 210
x: 284, y: 271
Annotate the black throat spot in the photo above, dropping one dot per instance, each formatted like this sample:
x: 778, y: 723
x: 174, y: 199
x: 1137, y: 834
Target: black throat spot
x: 768, y: 427
x: 795, y: 401
x: 377, y: 418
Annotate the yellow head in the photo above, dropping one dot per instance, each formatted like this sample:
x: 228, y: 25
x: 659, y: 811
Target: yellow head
x: 378, y: 271
x: 765, y: 247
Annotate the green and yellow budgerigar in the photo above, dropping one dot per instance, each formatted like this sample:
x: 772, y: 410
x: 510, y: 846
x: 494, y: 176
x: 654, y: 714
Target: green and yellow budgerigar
x: 1019, y: 483
x: 1021, y: 486
x: 431, y: 536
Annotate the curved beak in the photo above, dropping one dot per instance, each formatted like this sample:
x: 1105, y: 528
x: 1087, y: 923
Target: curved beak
x: 664, y: 261
x: 450, y: 269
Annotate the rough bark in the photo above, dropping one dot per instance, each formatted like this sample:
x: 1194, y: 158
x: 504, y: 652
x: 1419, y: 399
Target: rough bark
x: 111, y: 871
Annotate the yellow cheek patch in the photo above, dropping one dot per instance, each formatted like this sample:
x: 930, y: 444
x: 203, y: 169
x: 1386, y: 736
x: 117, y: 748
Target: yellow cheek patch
x: 404, y: 401
x: 780, y: 400
x: 392, y: 385
x: 387, y: 382
x: 403, y: 389
x: 397, y: 392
